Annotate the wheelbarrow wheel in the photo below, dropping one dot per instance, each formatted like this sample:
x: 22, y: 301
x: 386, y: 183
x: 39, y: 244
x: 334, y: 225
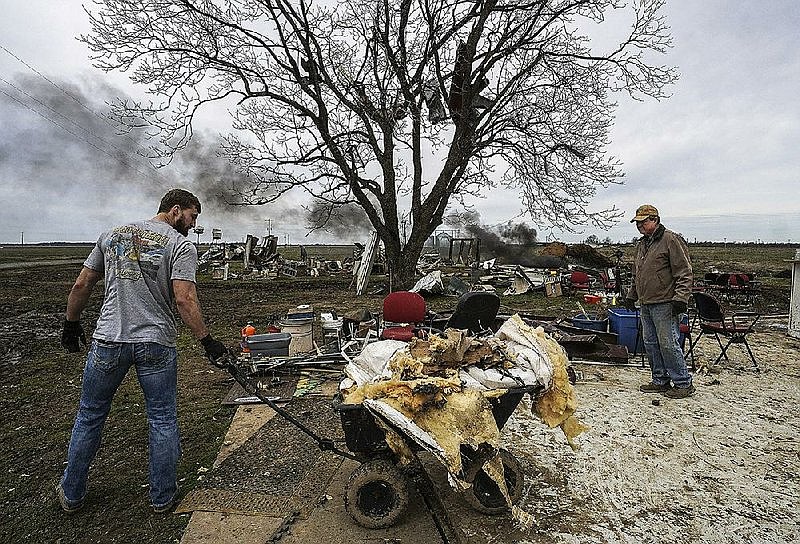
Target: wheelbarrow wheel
x: 485, y: 495
x: 377, y: 494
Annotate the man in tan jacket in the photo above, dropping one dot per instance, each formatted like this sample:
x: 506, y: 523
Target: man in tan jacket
x: 662, y: 284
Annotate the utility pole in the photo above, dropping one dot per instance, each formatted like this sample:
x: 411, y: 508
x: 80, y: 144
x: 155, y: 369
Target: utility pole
x: 269, y: 226
x: 22, y: 238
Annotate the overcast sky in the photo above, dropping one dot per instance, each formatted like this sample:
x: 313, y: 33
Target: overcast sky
x: 718, y: 158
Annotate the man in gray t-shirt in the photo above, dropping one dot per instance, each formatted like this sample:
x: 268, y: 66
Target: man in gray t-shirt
x: 148, y: 266
x: 140, y: 262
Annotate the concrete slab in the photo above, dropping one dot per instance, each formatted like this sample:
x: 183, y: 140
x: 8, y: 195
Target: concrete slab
x: 219, y: 528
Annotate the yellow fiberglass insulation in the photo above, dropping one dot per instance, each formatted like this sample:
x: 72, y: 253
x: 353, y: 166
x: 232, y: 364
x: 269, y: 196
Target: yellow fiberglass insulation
x: 407, y: 396
x: 466, y: 418
x: 556, y: 407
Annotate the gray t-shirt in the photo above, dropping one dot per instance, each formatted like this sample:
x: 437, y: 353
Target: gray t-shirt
x: 139, y: 261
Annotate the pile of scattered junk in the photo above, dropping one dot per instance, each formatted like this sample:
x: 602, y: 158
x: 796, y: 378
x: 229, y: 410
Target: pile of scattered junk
x: 604, y: 333
x: 413, y: 381
x: 557, y: 269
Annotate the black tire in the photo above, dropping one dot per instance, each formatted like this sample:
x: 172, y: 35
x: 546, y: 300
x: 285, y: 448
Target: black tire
x: 377, y: 494
x: 485, y: 496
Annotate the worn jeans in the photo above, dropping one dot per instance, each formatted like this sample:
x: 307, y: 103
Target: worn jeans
x: 106, y: 366
x: 660, y: 333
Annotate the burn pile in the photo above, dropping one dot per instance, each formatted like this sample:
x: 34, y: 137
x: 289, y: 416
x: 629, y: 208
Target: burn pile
x: 441, y: 394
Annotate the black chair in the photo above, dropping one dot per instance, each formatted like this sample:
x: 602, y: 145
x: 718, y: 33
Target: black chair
x: 475, y: 311
x: 735, y: 327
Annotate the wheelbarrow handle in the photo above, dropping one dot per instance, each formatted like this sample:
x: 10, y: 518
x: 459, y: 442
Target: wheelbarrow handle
x: 324, y: 444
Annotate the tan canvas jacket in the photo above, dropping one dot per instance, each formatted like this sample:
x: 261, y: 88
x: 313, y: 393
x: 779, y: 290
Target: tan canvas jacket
x: 662, y: 269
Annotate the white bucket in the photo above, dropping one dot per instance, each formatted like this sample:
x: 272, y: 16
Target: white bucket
x: 301, y: 331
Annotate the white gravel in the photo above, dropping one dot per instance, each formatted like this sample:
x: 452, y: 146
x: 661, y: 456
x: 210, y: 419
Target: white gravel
x: 722, y: 466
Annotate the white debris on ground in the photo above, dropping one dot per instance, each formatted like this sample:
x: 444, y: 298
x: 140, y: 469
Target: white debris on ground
x: 720, y: 467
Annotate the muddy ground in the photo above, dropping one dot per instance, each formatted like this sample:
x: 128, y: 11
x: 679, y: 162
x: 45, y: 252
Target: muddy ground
x: 720, y: 467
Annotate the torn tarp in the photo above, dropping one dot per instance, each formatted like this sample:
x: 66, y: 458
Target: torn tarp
x: 429, y: 283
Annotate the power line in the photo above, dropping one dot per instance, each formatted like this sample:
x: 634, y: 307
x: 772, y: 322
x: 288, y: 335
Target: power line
x: 62, y: 127
x: 84, y: 106
x: 60, y: 88
x: 67, y: 118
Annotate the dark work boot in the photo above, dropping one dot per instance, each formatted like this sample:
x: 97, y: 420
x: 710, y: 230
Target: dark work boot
x: 654, y: 388
x: 680, y: 392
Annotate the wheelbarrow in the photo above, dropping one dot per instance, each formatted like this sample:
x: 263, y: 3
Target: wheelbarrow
x: 377, y: 493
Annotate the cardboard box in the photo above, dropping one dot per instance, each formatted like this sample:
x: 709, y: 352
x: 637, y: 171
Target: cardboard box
x: 552, y: 289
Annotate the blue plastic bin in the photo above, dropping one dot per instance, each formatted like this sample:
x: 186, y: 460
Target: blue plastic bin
x: 585, y: 322
x: 626, y: 324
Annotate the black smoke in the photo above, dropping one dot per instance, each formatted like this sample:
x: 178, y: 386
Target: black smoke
x: 510, y: 243
x: 519, y: 233
x: 59, y: 150
x: 347, y: 221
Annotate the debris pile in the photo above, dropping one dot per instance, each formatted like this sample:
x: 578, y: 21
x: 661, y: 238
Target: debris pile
x: 437, y: 392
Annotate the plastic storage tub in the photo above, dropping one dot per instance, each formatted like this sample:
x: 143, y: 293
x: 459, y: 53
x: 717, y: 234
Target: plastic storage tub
x: 276, y: 343
x: 626, y: 324
x: 586, y: 322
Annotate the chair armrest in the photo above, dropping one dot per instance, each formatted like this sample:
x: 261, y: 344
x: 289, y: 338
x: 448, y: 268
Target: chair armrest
x: 750, y: 321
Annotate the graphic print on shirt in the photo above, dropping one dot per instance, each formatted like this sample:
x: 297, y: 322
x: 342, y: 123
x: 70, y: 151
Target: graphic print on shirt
x: 136, y: 252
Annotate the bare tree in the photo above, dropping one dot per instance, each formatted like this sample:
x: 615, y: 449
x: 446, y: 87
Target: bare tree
x: 396, y: 106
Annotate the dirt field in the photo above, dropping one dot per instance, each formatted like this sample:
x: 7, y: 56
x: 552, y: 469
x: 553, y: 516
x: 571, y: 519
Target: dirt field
x: 720, y: 467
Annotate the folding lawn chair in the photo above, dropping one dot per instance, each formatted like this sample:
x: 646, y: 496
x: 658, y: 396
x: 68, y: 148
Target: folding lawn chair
x: 735, y: 327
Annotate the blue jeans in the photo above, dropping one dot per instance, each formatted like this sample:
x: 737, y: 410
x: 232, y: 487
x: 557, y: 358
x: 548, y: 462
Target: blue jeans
x: 660, y: 333
x: 106, y: 366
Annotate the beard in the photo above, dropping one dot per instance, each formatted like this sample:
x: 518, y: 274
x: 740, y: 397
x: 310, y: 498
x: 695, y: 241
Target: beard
x: 181, y: 226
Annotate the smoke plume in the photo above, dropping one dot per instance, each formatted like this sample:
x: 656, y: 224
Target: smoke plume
x: 58, y: 150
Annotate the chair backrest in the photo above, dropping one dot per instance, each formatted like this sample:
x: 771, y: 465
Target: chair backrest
x: 475, y: 311
x: 579, y: 277
x: 404, y: 307
x: 708, y: 308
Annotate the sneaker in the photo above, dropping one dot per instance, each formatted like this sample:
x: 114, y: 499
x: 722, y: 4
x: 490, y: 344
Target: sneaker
x: 68, y: 506
x: 654, y: 388
x: 679, y: 392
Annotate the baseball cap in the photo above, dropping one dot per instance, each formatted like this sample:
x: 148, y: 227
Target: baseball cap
x: 644, y: 211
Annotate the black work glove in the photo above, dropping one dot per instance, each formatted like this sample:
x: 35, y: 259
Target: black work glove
x: 679, y: 307
x: 72, y: 336
x: 629, y: 304
x: 216, y: 351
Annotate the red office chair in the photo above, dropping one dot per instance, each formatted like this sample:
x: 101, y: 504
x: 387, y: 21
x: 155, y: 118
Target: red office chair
x: 580, y: 280
x: 403, y: 312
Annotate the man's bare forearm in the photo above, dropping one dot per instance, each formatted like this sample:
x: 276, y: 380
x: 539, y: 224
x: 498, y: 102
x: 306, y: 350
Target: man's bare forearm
x: 189, y: 307
x: 80, y: 293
